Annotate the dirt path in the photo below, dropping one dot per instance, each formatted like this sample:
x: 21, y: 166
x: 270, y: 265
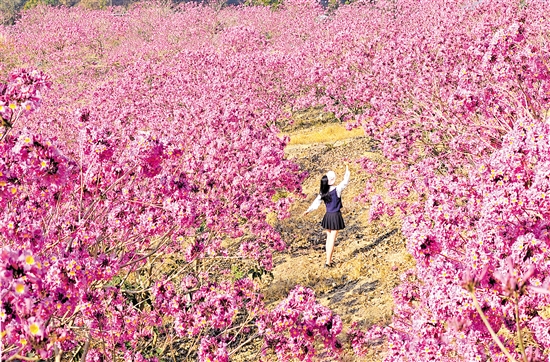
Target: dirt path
x: 369, y: 256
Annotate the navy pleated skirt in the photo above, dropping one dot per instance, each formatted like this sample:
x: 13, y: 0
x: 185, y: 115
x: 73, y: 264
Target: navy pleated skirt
x: 333, y: 221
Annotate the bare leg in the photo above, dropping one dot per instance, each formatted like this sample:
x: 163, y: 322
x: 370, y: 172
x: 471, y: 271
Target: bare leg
x: 334, y: 235
x: 331, y: 237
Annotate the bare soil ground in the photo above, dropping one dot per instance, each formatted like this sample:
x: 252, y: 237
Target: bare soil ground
x: 369, y: 256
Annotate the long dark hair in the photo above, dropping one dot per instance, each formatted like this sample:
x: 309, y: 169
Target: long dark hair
x: 324, y: 190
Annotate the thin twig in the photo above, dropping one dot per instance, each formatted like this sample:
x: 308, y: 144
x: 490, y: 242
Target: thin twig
x: 17, y: 356
x: 58, y: 352
x: 157, y: 248
x: 491, y: 331
x: 172, y: 349
x: 518, y: 328
x: 85, y: 349
x: 243, y: 344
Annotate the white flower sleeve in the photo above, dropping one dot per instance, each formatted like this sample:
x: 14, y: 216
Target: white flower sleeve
x: 343, y: 184
x: 316, y: 203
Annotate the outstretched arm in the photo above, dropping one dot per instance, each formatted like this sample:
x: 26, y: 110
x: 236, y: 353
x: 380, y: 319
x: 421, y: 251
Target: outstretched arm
x: 344, y: 183
x: 316, y: 203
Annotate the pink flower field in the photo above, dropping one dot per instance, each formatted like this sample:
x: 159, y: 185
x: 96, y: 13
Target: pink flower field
x: 141, y: 158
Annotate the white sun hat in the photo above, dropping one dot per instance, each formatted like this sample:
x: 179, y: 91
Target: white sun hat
x: 331, y: 177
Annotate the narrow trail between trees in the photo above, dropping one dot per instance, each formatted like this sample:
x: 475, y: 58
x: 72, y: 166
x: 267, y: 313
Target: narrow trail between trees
x: 369, y: 256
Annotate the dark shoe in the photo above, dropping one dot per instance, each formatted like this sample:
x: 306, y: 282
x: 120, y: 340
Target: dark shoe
x: 328, y: 265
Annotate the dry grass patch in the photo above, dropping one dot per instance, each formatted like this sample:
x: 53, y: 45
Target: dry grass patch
x: 325, y: 133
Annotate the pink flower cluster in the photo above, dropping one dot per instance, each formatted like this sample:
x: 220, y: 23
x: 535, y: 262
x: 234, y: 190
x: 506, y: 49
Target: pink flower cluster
x: 23, y: 324
x: 293, y: 327
x: 21, y: 95
x: 212, y: 306
x: 359, y: 339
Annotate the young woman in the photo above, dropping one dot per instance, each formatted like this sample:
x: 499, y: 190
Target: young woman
x: 332, y: 197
